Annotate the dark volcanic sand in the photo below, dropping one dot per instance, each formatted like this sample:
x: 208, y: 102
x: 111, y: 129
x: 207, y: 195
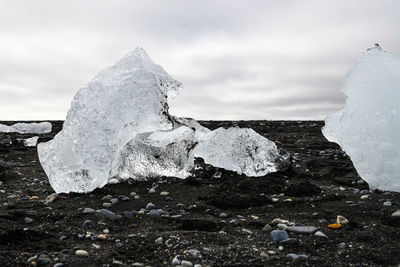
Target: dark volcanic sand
x: 321, y: 183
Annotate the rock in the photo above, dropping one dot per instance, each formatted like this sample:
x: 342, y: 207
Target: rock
x: 28, y: 220
x: 320, y: 234
x: 175, y: 261
x: 246, y: 231
x: 387, y: 204
x: 194, y: 254
x: 223, y: 215
x: 396, y: 213
x: 88, y: 224
x: 364, y: 192
x: 364, y: 197
x: 289, y: 241
x: 110, y: 215
x: 150, y: 206
x: 155, y: 212
x: 234, y: 222
x: 115, y: 262
x: 152, y: 191
x: 102, y: 237
x: 43, y: 259
x: 164, y: 193
x: 82, y: 253
x: 51, y: 198
x: 58, y: 265
x: 267, y: 228
x: 186, y: 263
x: 342, y: 245
x: 306, y: 230
x: 296, y: 256
x: 88, y: 210
x: 341, y: 220
x: 106, y: 205
x: 159, y: 241
x: 282, y: 226
x: 279, y: 235
x: 114, y: 201
x: 129, y: 215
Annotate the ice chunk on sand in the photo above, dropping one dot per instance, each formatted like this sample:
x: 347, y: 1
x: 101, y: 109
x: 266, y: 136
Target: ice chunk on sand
x: 31, y: 141
x: 241, y: 150
x: 119, y: 128
x: 27, y: 128
x: 368, y: 128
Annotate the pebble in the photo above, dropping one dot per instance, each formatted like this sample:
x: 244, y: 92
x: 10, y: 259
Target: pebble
x: 115, y: 262
x: 289, y: 241
x: 364, y: 197
x: 282, y: 226
x: 129, y: 214
x: 124, y: 198
x: 296, y: 256
x: 88, y: 210
x: 110, y: 215
x: 164, y: 193
x: 150, y: 206
x: 247, y: 231
x: 194, y: 254
x: 108, y: 197
x: 175, y: 261
x: 308, y: 230
x: 152, y: 191
x: 88, y: 224
x: 132, y: 194
x: 267, y: 228
x: 159, y: 241
x: 82, y: 253
x: 106, y: 231
x: 114, y: 201
x: 364, y: 192
x: 106, y: 205
x: 58, y: 265
x: 342, y: 245
x: 136, y: 197
x: 396, y: 214
x: 341, y: 220
x: 320, y: 234
x: 101, y: 237
x: 223, y: 215
x: 28, y: 220
x: 279, y: 235
x: 186, y: 263
x: 387, y: 203
x: 96, y: 246
x: 43, y: 259
x: 155, y: 212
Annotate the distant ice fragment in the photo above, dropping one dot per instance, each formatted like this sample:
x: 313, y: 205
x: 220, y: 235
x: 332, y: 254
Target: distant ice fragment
x: 27, y: 128
x: 119, y: 128
x: 30, y: 142
x: 368, y: 128
x: 241, y: 150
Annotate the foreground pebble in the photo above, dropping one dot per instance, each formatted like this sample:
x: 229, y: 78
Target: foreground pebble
x: 82, y: 253
x: 279, y: 235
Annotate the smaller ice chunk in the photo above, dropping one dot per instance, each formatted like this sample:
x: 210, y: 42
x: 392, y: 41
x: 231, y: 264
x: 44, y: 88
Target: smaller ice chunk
x: 241, y: 150
x: 27, y: 128
x: 30, y: 142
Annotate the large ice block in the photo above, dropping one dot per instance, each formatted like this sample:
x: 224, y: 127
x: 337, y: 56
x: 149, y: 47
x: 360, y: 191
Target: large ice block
x: 368, y: 128
x: 27, y: 128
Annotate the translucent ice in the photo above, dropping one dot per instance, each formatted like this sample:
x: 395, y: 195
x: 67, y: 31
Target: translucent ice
x: 368, y: 128
x: 119, y: 128
x: 26, y: 128
x: 241, y: 150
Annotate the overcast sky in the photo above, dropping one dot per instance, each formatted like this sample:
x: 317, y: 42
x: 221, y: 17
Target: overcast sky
x: 236, y: 59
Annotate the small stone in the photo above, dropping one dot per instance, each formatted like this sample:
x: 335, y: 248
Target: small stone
x: 106, y: 205
x: 289, y: 241
x: 234, y: 222
x: 28, y: 220
x: 118, y: 244
x: 364, y: 192
x: 150, y: 206
x: 396, y: 214
x: 280, y: 248
x: 152, y: 191
x: 364, y: 197
x: 88, y: 210
x: 341, y: 220
x: 132, y: 194
x: 108, y: 197
x: 387, y: 203
x: 129, y: 215
x: 279, y: 235
x: 114, y: 201
x: 335, y: 225
x: 159, y: 241
x: 106, y: 231
x: 320, y: 234
x: 101, y: 237
x: 342, y: 245
x: 58, y: 265
x: 246, y: 231
x: 155, y: 212
x: 186, y: 263
x: 164, y: 193
x: 194, y: 254
x: 136, y: 197
x: 88, y: 224
x: 82, y: 253
x: 267, y: 228
x: 51, y: 198
x: 110, y: 215
x: 282, y: 226
x: 175, y: 261
x: 308, y: 230
x: 43, y: 259
x: 223, y: 215
x: 115, y: 262
x: 296, y: 256
x: 96, y: 246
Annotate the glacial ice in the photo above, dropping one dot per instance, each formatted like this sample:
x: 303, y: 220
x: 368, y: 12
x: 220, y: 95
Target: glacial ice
x: 119, y: 127
x: 27, y: 128
x: 368, y: 128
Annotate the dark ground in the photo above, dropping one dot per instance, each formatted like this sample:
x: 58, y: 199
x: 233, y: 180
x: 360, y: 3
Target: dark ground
x: 321, y: 184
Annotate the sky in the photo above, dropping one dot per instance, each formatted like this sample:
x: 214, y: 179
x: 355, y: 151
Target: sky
x: 237, y: 60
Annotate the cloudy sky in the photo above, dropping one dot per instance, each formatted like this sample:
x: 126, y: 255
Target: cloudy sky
x: 237, y: 59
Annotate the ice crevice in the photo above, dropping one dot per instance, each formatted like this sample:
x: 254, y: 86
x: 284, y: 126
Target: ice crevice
x: 119, y: 127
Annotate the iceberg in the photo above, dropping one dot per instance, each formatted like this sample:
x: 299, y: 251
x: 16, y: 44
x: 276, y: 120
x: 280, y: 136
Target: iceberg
x: 368, y: 128
x: 27, y: 128
x: 119, y: 128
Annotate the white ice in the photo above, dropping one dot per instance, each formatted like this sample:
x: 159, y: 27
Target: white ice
x: 30, y: 142
x: 119, y: 128
x: 27, y: 128
x: 368, y: 128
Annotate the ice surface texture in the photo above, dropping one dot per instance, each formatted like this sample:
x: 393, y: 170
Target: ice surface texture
x: 27, y: 128
x: 119, y: 128
x: 368, y: 128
